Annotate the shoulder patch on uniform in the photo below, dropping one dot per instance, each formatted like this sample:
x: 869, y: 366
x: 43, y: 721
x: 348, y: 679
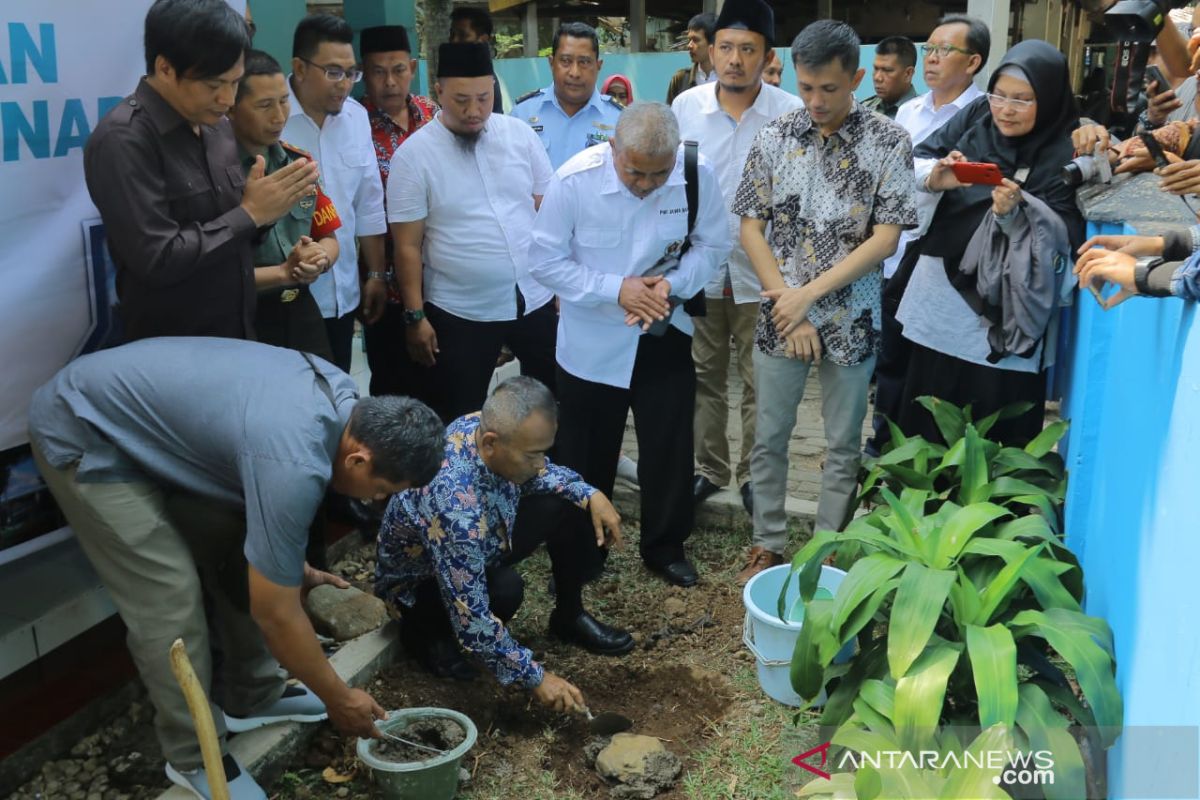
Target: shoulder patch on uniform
x: 528, y: 96
x: 293, y: 150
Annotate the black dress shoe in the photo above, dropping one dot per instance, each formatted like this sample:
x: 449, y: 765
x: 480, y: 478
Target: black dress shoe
x: 680, y: 573
x: 590, y: 633
x: 747, y: 497
x: 703, y: 488
x: 445, y: 660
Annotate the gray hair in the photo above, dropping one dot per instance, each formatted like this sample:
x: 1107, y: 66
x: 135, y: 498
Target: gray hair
x: 513, y: 401
x: 648, y: 128
x: 406, y: 438
x: 825, y: 41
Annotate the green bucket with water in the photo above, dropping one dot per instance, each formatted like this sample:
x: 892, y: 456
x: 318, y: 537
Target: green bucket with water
x: 435, y: 778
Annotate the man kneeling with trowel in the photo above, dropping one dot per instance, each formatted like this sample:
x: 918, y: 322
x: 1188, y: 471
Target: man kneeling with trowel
x: 446, y: 551
x: 190, y: 470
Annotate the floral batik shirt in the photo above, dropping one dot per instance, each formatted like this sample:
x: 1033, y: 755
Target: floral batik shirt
x: 386, y: 135
x: 452, y: 530
x: 822, y: 198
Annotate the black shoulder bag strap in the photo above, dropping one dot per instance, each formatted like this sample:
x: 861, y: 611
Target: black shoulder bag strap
x: 694, y: 306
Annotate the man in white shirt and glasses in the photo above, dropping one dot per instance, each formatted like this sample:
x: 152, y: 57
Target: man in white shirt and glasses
x: 461, y: 198
x: 613, y: 213
x: 724, y: 117
x: 954, y: 54
x: 326, y: 122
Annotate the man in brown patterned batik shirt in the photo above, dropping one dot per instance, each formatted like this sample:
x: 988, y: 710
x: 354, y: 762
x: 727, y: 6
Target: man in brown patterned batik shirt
x: 835, y: 183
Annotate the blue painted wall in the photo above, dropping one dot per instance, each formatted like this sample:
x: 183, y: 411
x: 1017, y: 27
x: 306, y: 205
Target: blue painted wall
x: 1132, y: 394
x: 648, y: 72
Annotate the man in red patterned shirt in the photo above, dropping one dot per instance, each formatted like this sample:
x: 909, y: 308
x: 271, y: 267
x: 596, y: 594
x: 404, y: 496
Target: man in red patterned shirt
x: 395, y: 113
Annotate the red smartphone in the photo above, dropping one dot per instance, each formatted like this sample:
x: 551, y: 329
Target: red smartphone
x: 973, y: 172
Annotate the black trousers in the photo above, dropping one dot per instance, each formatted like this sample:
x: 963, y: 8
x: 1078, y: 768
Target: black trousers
x: 569, y: 538
x: 296, y: 325
x: 987, y: 389
x: 468, y: 351
x: 662, y: 395
x: 891, y: 368
x: 392, y: 371
x: 341, y: 339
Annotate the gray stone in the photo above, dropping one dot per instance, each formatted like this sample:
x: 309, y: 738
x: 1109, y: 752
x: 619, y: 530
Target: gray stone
x: 344, y: 613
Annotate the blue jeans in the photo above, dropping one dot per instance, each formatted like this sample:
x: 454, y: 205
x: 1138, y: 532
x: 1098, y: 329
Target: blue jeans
x: 779, y: 387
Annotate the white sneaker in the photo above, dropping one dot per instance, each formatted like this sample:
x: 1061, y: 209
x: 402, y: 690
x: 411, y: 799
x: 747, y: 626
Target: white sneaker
x: 241, y: 785
x: 298, y: 704
x: 627, y: 470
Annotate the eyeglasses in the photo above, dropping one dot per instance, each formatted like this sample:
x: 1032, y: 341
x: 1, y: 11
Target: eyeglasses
x: 335, y: 73
x: 943, y: 50
x: 997, y: 101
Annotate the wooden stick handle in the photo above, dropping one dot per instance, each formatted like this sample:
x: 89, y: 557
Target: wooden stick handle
x: 206, y: 731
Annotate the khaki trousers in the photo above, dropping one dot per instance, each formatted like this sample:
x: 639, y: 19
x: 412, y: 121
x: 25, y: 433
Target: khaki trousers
x: 725, y: 319
x: 174, y: 567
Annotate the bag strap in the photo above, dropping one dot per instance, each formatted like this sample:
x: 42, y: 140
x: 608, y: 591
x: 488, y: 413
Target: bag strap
x: 691, y: 175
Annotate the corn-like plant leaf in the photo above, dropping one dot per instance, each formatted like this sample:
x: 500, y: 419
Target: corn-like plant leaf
x: 920, y: 694
x: 901, y: 782
x: 999, y: 590
x: 1011, y: 459
x: 1008, y: 486
x: 807, y: 670
x: 1031, y: 526
x: 1065, y: 697
x: 915, y: 611
x: 1046, y: 729
x: 1008, y: 412
x: 866, y: 714
x: 953, y: 457
x: 1045, y: 506
x: 862, y: 581
x: 840, y: 786
x: 1040, y: 574
x: 904, y: 453
x: 902, y: 523
x: 880, y: 695
x: 964, y: 601
x: 974, y: 472
x: 978, y: 782
x: 948, y: 417
x: 814, y: 550
x: 1044, y: 442
x: 866, y: 611
x: 1093, y: 666
x: 958, y: 530
x: 994, y: 667
x: 868, y: 663
x: 908, y: 476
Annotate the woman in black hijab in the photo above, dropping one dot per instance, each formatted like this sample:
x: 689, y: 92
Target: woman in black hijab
x: 1023, y: 125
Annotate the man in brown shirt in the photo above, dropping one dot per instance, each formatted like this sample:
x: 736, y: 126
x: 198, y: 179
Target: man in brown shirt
x: 162, y: 168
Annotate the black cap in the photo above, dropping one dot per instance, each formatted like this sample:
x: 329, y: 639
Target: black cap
x: 464, y: 60
x: 383, y: 39
x: 751, y: 15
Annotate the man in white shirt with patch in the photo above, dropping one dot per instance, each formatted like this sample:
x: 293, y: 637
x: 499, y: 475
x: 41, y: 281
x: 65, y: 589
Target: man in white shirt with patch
x: 724, y: 117
x: 326, y: 122
x: 955, y: 52
x: 614, y: 213
x: 461, y: 199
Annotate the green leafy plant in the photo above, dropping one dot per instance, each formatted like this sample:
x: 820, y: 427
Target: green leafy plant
x: 963, y: 601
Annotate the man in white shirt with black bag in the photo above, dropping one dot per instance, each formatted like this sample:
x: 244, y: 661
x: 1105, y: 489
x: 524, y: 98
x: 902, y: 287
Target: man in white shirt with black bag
x: 613, y: 241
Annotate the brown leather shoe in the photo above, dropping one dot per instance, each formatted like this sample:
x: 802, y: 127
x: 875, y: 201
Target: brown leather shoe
x: 758, y: 559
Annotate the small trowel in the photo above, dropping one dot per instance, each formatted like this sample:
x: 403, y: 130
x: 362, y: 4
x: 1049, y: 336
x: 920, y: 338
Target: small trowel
x: 606, y: 723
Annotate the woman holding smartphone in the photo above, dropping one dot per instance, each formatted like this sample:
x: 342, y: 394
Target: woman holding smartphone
x: 1023, y: 126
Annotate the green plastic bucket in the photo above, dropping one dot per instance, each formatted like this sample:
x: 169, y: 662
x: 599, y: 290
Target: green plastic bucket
x: 436, y: 778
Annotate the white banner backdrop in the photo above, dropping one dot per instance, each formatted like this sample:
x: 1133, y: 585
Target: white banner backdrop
x: 63, y: 64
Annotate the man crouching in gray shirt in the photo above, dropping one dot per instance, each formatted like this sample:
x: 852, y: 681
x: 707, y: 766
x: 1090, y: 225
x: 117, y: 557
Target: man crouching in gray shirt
x: 192, y: 468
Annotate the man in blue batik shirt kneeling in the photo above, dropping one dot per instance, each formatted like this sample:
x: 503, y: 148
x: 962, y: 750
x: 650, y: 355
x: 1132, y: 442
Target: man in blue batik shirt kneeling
x: 446, y: 551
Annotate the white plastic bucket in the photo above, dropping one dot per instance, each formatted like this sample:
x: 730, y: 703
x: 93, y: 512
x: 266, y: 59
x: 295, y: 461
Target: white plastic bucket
x: 772, y: 640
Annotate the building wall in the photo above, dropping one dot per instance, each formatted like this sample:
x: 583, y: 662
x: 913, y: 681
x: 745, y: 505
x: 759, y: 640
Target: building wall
x: 1132, y: 395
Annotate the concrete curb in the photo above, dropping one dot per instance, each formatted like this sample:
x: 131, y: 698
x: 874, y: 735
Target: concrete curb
x: 265, y: 750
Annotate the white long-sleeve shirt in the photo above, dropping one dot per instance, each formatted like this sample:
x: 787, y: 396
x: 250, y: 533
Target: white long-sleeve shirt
x: 350, y: 177
x: 592, y: 233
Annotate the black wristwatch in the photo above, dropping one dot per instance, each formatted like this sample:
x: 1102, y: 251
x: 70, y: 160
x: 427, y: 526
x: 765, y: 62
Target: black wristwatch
x: 413, y: 316
x: 1141, y: 273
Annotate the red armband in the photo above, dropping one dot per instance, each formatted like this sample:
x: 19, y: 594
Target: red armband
x: 325, y: 217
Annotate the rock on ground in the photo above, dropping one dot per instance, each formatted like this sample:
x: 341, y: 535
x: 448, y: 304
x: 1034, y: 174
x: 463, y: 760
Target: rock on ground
x: 640, y: 766
x: 344, y: 613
